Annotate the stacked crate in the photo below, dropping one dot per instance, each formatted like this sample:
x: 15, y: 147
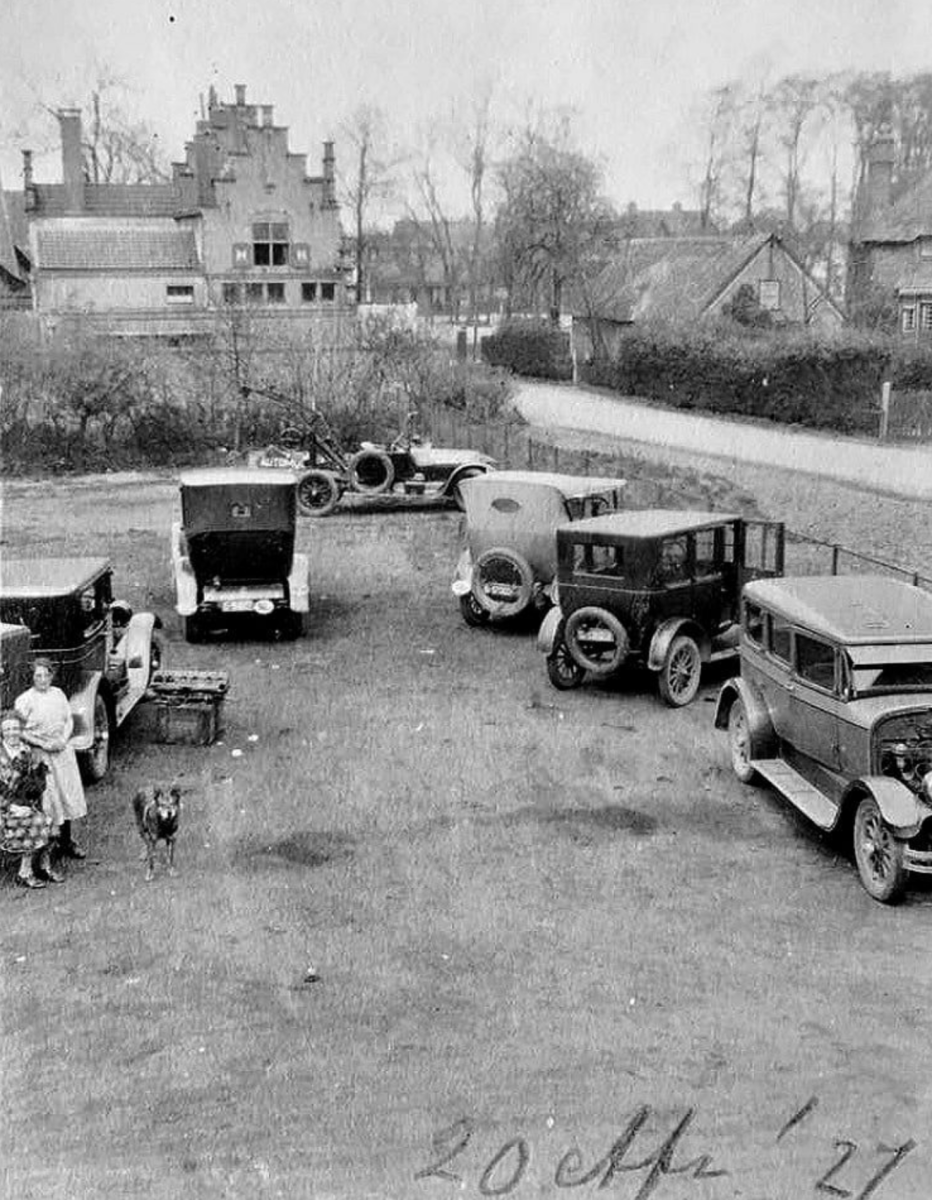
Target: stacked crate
x: 188, y: 705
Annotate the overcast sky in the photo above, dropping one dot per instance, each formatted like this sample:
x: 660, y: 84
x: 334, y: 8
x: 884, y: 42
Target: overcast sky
x: 631, y: 68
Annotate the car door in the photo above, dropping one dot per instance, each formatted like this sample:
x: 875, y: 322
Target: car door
x: 715, y: 597
x: 817, y: 704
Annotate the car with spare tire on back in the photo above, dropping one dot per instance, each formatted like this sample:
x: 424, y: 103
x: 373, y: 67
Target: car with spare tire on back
x: 656, y: 589
x: 833, y: 708
x: 509, y: 559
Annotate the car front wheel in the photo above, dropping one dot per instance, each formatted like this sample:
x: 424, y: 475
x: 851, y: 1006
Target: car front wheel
x: 318, y: 494
x: 878, y: 854
x: 680, y: 673
x: 95, y: 762
x: 739, y: 737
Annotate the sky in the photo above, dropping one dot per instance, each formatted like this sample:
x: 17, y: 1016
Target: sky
x: 632, y: 71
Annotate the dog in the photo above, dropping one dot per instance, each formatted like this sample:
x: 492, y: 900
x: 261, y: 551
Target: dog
x: 158, y: 816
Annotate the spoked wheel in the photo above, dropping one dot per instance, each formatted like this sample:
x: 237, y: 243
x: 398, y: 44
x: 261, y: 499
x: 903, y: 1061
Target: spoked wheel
x: 318, y: 493
x: 472, y: 611
x: 680, y: 673
x: 739, y: 738
x: 562, y: 669
x: 878, y: 854
x: 95, y: 762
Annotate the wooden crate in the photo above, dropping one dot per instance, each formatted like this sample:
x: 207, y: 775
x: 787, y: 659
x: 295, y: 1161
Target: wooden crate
x: 188, y: 706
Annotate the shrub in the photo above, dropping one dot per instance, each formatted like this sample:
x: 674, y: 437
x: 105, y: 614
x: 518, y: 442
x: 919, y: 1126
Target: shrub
x: 534, y: 348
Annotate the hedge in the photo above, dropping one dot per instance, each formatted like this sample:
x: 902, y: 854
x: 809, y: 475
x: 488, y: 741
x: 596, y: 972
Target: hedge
x: 533, y: 348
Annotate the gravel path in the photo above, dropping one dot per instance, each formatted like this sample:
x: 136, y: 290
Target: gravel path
x: 835, y: 503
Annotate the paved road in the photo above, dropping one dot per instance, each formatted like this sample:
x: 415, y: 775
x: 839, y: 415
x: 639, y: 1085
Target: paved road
x: 904, y: 471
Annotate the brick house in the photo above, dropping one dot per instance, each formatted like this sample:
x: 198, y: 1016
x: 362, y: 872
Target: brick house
x: 691, y: 279
x: 240, y: 225
x: 890, y: 256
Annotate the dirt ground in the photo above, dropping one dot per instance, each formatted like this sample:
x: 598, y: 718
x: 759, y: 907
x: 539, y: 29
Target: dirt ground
x: 559, y: 946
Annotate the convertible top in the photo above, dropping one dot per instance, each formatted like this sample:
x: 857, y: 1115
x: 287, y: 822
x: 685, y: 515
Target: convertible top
x: 567, y: 485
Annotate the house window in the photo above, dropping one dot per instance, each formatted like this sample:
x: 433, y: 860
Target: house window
x: 909, y: 319
x: 275, y: 293
x: 300, y: 254
x: 769, y: 294
x: 925, y: 247
x: 254, y: 293
x: 308, y: 293
x: 232, y: 293
x: 328, y: 291
x: 180, y: 293
x: 270, y: 244
x: 925, y: 317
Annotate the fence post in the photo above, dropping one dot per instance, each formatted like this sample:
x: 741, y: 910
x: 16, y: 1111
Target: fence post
x: 884, y: 409
x: 835, y: 552
x: 586, y: 462
x: 530, y: 452
x: 556, y: 459
x: 505, y: 449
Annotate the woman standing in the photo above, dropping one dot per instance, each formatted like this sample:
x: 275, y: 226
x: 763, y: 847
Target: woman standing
x: 24, y: 827
x: 48, y: 727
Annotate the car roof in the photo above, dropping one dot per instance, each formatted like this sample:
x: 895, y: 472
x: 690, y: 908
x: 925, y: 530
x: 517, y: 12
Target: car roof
x: 647, y: 522
x: 233, y: 476
x: 26, y: 578
x: 568, y: 485
x: 868, y: 609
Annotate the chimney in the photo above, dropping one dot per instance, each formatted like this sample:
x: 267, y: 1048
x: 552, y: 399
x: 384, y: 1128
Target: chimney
x: 267, y: 110
x: 240, y: 90
x: 29, y: 188
x: 330, y: 195
x: 881, y: 155
x: 72, y: 157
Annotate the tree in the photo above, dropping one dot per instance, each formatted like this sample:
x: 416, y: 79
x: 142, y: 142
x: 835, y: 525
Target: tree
x: 791, y: 105
x: 371, y: 178
x: 553, y: 226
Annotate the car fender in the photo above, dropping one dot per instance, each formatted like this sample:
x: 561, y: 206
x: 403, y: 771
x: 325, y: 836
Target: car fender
x: 462, y: 583
x: 81, y: 703
x: 549, y: 628
x: 299, y: 583
x: 468, y: 468
x: 667, y: 631
x: 900, y: 807
x: 760, y: 725
x: 185, y: 582
x: 135, y: 648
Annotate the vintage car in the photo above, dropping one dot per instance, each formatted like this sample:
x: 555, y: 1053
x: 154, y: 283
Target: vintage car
x: 104, y: 654
x: 510, y: 558
x: 233, y: 553
x: 324, y: 471
x: 653, y: 588
x: 833, y: 708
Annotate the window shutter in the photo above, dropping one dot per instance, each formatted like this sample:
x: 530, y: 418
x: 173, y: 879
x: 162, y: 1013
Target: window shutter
x: 300, y: 254
x: 241, y: 254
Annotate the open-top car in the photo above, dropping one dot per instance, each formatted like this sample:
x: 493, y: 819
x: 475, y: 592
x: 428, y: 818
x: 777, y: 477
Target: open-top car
x: 510, y: 558
x: 234, y: 555
x: 104, y: 654
x: 324, y: 471
x: 833, y: 708
x: 653, y: 588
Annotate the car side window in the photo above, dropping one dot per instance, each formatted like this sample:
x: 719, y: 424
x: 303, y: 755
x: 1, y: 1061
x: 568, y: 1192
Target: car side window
x: 780, y: 639
x: 593, y: 559
x: 754, y: 625
x: 815, y: 661
x: 672, y: 568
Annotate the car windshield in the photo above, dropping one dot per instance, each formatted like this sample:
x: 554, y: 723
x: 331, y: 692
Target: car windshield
x: 893, y: 677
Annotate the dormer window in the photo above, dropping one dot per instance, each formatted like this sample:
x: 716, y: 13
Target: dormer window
x: 270, y: 244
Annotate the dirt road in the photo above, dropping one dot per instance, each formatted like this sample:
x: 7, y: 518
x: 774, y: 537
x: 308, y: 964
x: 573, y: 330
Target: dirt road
x: 904, y: 471
x: 559, y: 946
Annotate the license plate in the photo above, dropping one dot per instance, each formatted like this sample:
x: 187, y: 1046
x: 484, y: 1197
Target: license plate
x: 500, y: 591
x: 604, y: 637
x: 236, y: 606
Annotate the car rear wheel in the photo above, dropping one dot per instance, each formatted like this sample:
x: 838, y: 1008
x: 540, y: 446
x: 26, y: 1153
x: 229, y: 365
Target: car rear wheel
x: 95, y: 762
x: 503, y: 582
x: 472, y: 611
x: 681, y: 671
x: 562, y: 669
x: 739, y: 738
x: 878, y: 854
x: 371, y: 472
x: 318, y: 494
x: 596, y: 640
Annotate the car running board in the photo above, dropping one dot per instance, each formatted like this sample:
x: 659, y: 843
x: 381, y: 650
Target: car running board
x: 798, y: 790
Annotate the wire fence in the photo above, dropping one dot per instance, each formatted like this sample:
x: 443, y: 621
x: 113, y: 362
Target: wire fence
x: 519, y: 447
